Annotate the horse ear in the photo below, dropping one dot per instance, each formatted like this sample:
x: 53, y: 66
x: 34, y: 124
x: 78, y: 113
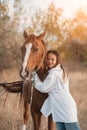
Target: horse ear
x: 26, y: 34
x: 41, y: 36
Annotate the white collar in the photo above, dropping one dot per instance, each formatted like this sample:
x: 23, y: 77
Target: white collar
x: 58, y: 67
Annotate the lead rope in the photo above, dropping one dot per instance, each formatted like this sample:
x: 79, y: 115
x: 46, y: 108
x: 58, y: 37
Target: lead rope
x: 33, y: 86
x: 31, y: 97
x: 44, y: 125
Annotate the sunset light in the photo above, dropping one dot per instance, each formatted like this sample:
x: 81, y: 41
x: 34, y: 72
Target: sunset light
x: 22, y: 11
x: 69, y: 6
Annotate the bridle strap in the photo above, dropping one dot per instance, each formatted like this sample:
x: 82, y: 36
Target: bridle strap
x: 33, y: 77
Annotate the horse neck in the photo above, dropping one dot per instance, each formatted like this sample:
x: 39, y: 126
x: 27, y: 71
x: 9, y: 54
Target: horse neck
x: 42, y: 73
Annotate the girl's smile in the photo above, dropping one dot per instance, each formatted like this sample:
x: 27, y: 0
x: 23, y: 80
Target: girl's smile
x: 51, y: 60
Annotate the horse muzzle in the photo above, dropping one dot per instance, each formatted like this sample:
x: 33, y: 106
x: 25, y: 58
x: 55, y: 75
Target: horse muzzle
x: 25, y: 74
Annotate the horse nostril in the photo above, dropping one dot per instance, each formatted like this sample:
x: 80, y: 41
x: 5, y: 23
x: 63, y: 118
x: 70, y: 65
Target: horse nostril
x: 26, y: 72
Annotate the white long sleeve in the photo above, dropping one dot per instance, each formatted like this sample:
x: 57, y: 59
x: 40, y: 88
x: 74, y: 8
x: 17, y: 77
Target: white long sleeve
x: 60, y: 102
x: 45, y: 86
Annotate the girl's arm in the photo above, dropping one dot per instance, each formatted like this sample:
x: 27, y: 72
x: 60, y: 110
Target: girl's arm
x: 45, y: 86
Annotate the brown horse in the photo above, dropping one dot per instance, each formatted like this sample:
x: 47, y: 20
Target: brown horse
x: 33, y: 53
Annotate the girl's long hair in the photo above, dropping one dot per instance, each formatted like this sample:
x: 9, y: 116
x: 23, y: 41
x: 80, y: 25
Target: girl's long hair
x: 56, y: 53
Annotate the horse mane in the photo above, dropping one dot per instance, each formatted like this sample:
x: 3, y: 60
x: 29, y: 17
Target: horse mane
x: 44, y: 45
x: 43, y: 69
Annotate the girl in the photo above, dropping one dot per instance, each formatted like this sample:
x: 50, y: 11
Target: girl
x: 60, y: 102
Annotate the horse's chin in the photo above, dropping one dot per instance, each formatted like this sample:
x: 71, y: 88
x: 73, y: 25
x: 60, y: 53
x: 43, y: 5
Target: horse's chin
x: 27, y: 79
x: 25, y: 76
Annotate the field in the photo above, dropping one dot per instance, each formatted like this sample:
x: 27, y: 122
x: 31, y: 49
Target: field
x: 11, y: 117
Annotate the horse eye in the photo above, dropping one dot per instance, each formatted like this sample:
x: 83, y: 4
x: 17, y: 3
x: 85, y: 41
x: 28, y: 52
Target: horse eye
x: 36, y: 49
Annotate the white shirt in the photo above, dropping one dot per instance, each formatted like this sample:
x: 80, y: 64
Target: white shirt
x: 60, y: 102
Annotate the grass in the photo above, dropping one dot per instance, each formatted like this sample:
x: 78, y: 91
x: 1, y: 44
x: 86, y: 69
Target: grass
x: 10, y: 114
x: 78, y: 83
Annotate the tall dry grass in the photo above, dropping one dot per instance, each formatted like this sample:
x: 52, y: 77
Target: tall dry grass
x: 11, y: 116
x: 78, y: 87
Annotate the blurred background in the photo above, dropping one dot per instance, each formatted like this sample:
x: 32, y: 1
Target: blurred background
x: 66, y: 25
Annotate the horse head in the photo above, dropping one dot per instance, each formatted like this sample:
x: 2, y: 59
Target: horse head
x: 33, y: 53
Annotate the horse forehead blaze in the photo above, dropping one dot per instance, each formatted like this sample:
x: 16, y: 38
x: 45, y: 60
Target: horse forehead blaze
x: 28, y: 50
x: 26, y: 56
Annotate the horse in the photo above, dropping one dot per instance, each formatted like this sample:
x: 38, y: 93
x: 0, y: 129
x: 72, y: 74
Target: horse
x: 33, y: 56
x: 33, y: 60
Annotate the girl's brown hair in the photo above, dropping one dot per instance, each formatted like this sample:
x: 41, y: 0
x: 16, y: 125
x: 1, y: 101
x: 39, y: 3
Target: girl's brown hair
x: 56, y: 53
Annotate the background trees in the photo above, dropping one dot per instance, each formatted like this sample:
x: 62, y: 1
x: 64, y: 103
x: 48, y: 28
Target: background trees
x: 69, y: 36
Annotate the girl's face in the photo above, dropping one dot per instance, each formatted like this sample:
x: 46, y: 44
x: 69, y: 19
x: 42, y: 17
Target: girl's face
x: 51, y: 60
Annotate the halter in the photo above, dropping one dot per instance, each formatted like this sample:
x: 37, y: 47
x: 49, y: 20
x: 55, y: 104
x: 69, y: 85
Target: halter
x: 33, y: 76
